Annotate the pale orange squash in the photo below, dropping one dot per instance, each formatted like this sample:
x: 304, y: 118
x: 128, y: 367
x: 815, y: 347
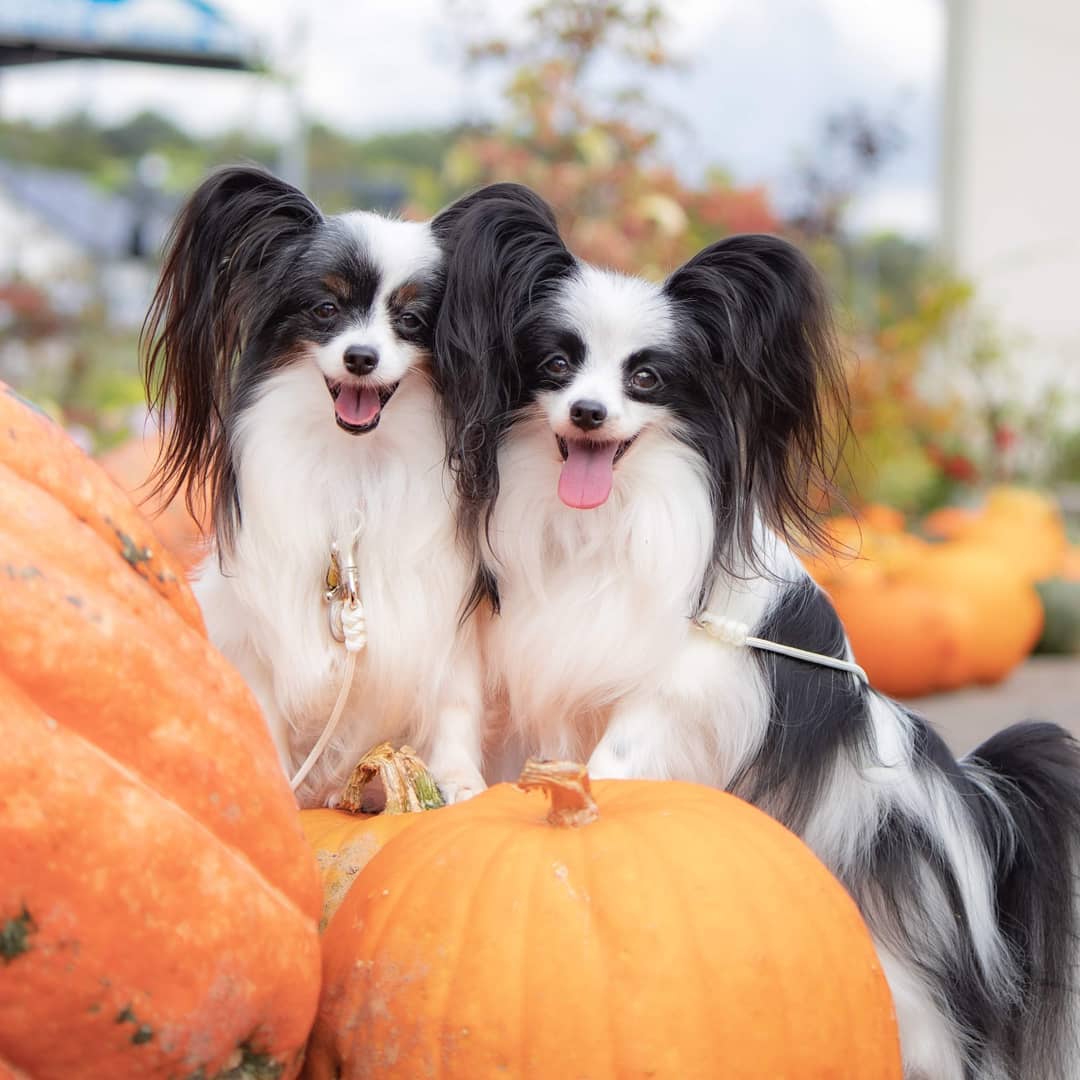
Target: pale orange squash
x: 882, y: 518
x: 1024, y: 525
x: 665, y: 930
x: 863, y: 550
x: 158, y: 902
x: 948, y: 521
x: 343, y: 844
x: 1071, y: 565
x: 1006, y: 614
x: 911, y: 640
x: 345, y: 840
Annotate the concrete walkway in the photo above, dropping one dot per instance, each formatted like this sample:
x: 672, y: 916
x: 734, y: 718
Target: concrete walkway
x: 1045, y: 688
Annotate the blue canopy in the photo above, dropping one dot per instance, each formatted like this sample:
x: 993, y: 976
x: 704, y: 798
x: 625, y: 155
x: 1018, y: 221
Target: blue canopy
x: 191, y: 32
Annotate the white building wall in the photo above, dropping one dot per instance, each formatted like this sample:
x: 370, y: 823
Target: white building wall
x: 1011, y: 172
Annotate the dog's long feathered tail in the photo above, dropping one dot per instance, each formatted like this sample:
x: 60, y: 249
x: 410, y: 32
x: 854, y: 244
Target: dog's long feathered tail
x: 1035, y: 769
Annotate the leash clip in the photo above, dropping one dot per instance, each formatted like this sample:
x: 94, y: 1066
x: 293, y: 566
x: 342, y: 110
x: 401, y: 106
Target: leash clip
x: 343, y: 593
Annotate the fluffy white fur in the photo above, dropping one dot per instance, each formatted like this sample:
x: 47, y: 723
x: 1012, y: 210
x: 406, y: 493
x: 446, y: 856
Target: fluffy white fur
x: 417, y: 681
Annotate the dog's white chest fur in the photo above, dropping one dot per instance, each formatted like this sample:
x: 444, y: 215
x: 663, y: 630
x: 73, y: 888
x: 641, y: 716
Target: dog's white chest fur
x: 596, y: 608
x: 304, y: 484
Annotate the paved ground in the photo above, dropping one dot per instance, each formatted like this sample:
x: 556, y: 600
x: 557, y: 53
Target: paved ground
x: 1045, y: 688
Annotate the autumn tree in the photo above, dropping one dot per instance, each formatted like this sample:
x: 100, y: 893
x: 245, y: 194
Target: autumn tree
x: 582, y: 132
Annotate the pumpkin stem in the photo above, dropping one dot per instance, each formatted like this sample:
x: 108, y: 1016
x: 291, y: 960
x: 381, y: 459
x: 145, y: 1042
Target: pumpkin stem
x: 408, y: 786
x: 567, y: 786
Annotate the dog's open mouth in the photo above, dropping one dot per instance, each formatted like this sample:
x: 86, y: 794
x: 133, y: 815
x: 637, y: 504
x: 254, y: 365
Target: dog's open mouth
x: 358, y: 407
x: 588, y: 470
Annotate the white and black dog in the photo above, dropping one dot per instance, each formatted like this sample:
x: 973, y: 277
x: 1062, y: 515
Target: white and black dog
x: 630, y: 457
x: 292, y: 353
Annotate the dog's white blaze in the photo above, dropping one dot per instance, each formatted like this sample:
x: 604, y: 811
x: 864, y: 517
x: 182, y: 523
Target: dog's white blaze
x: 615, y: 316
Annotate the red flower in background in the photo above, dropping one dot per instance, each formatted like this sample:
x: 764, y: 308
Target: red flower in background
x: 1004, y: 437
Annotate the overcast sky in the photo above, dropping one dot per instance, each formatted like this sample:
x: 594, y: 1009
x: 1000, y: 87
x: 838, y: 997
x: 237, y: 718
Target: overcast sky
x: 762, y: 76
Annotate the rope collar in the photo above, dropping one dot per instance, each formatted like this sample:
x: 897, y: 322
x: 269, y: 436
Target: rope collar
x: 735, y: 633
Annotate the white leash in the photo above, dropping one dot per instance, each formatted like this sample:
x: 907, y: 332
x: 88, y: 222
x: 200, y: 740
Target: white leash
x: 733, y: 632
x: 348, y: 626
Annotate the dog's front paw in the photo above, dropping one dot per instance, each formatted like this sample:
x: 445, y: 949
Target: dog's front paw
x: 459, y: 784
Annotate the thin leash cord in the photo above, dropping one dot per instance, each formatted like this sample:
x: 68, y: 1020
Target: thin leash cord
x: 331, y: 724
x: 355, y: 631
x: 733, y: 632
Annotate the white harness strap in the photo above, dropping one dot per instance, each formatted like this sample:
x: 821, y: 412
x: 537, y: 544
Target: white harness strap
x: 733, y: 632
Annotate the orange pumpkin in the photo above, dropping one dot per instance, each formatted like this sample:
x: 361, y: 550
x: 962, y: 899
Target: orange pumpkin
x: 149, y: 843
x: 1006, y: 616
x: 1024, y: 525
x: 1071, y: 566
x: 344, y: 841
x: 863, y: 550
x: 882, y: 518
x: 664, y: 930
x: 1036, y: 554
x: 131, y: 466
x: 948, y: 521
x: 911, y: 640
x: 343, y: 845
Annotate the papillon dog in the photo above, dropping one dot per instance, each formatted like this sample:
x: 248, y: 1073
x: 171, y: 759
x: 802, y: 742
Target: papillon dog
x: 291, y: 353
x: 633, y: 460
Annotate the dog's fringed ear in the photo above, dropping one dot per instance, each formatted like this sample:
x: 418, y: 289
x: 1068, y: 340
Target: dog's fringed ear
x: 503, y: 251
x: 446, y: 223
x: 220, y: 248
x: 756, y: 308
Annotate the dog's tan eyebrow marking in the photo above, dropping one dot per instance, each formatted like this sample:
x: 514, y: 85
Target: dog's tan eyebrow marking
x: 336, y: 284
x: 404, y: 294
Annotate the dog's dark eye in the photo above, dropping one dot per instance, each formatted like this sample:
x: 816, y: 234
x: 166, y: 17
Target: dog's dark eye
x: 407, y: 320
x: 645, y: 379
x: 557, y: 365
x: 324, y: 311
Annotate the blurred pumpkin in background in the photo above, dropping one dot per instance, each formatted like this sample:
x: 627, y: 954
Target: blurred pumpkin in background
x: 910, y: 638
x: 926, y: 616
x: 131, y: 466
x: 1021, y: 523
x: 948, y: 521
x: 1070, y: 569
x: 1006, y: 614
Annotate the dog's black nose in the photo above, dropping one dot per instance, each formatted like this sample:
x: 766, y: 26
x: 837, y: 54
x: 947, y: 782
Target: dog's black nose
x: 361, y: 359
x: 587, y: 415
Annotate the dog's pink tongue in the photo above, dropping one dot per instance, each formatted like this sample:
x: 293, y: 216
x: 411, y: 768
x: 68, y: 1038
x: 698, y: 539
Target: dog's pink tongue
x: 357, y: 406
x: 586, y: 478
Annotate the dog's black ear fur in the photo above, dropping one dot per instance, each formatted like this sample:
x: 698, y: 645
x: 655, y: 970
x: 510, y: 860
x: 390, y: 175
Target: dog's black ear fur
x: 447, y: 221
x: 503, y: 253
x: 224, y: 245
x: 754, y: 309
